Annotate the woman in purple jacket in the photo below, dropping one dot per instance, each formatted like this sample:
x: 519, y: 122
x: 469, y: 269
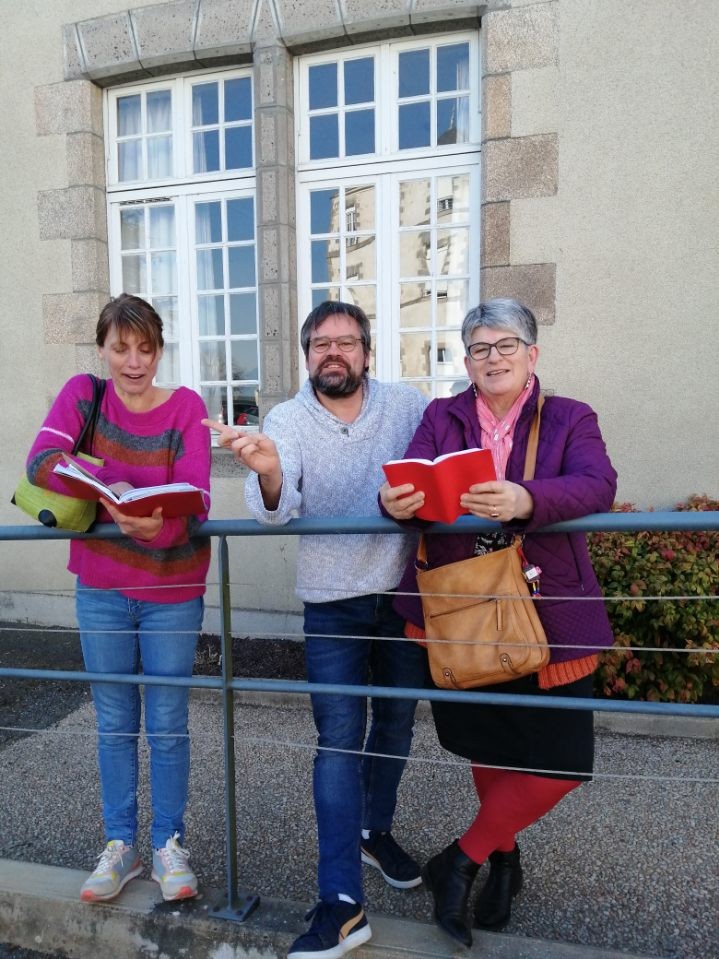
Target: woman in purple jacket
x: 553, y: 748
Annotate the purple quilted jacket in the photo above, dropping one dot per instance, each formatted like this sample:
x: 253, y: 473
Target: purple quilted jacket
x: 573, y: 478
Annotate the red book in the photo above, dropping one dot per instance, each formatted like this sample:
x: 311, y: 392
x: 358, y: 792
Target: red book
x: 176, y: 499
x: 442, y: 480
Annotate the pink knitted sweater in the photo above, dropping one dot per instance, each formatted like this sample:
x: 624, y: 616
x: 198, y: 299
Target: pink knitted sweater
x: 163, y: 445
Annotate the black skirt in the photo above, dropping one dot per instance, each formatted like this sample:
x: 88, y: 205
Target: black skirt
x: 558, y: 743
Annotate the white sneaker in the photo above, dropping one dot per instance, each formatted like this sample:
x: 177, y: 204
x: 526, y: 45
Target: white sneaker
x: 171, y: 868
x: 117, y: 865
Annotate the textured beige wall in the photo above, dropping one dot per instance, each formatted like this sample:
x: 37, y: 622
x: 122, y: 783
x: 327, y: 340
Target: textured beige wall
x: 633, y: 230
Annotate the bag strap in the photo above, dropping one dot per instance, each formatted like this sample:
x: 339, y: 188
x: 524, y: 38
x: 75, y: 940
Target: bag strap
x: 88, y: 429
x: 530, y: 462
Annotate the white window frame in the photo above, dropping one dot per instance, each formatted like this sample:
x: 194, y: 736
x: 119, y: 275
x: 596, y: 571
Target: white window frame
x: 386, y: 169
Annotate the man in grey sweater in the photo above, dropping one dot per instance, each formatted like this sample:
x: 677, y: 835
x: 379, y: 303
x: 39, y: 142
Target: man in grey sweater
x: 321, y: 454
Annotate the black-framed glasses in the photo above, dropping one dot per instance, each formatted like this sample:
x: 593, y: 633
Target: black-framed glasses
x: 320, y: 344
x: 505, y: 347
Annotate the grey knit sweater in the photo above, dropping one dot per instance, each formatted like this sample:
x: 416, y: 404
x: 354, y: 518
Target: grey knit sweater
x: 331, y: 468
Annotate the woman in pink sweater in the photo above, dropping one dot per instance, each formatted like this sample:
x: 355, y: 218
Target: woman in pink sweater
x: 139, y: 598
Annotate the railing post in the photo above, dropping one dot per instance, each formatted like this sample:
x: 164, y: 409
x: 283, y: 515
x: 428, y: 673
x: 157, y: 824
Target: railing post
x: 239, y: 905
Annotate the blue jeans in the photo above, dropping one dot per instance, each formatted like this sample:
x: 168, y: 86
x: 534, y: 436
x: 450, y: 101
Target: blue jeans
x: 352, y: 791
x: 117, y: 635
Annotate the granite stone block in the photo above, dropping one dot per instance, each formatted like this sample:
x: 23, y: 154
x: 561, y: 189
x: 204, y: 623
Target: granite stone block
x: 165, y: 34
x: 497, y: 107
x: 71, y: 317
x: 305, y: 26
x: 72, y: 56
x: 440, y: 12
x: 363, y: 17
x: 109, y: 49
x: 76, y: 212
x: 90, y: 266
x: 520, y: 167
x: 223, y: 29
x: 495, y: 235
x: 85, y: 154
x: 533, y: 284
x: 521, y: 38
x: 69, y: 107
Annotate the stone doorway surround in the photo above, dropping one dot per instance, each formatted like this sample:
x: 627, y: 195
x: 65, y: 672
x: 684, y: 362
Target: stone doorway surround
x: 519, y: 139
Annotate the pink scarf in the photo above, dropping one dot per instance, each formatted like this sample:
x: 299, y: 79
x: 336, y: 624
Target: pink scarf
x: 498, y: 432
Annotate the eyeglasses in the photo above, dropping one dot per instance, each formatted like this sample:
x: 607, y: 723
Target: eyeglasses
x: 320, y: 344
x: 505, y: 347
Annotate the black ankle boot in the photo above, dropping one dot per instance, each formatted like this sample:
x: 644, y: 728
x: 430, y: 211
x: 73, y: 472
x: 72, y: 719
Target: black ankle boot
x: 449, y: 876
x: 494, y: 903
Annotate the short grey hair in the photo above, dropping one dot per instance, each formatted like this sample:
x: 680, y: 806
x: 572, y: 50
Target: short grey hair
x: 501, y: 314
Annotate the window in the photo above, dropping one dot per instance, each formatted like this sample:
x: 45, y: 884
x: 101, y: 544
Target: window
x: 386, y: 188
x: 181, y: 210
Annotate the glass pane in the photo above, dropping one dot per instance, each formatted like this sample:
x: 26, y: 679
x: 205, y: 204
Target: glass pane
x: 452, y: 121
x: 452, y: 252
x: 423, y: 387
x: 129, y: 160
x: 132, y: 229
x: 243, y: 314
x: 365, y: 297
x: 359, y: 132
x: 321, y: 261
x: 414, y: 254
x: 168, y: 369
x: 159, y: 111
x: 414, y: 125
x: 163, y: 271
x: 453, y: 199
x: 244, y: 359
x: 415, y: 354
x: 450, y: 355
x: 213, y: 365
x: 414, y: 203
x: 359, y: 208
x: 238, y: 148
x: 240, y: 220
x: 359, y: 80
x: 325, y: 293
x: 324, y: 137
x: 166, y: 306
x: 244, y: 404
x: 211, y: 315
x: 208, y: 222
x: 134, y: 279
x: 452, y: 302
x: 323, y: 211
x: 446, y: 388
x: 414, y: 73
x: 129, y: 115
x: 453, y: 67
x: 323, y: 86
x: 241, y: 265
x: 415, y: 304
x: 238, y: 99
x: 159, y: 157
x: 206, y: 151
x: 360, y: 258
x: 162, y: 227
x: 205, y: 109
x: 215, y: 398
x: 209, y: 270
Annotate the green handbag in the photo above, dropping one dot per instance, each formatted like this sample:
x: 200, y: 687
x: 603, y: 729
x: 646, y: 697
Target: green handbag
x: 56, y: 509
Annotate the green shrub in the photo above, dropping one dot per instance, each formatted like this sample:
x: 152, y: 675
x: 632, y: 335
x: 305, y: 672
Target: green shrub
x: 660, y: 563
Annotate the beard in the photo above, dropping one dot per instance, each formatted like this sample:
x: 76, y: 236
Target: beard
x: 337, y: 384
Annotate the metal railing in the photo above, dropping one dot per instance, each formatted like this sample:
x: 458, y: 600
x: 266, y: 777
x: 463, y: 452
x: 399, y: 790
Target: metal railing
x: 239, y: 904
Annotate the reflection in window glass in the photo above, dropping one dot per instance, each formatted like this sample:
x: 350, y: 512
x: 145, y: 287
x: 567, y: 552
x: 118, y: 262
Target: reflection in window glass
x: 241, y: 262
x: 414, y: 73
x: 414, y: 125
x: 129, y: 160
x: 365, y: 297
x: 453, y: 67
x: 208, y: 222
x: 134, y: 275
x: 238, y: 99
x: 243, y: 314
x: 414, y: 253
x: 452, y: 251
x: 359, y: 80
x: 205, y: 106
x: 244, y: 359
x: 129, y: 115
x: 359, y: 132
x: 324, y: 137
x: 240, y: 220
x: 238, y: 148
x: 320, y: 261
x: 323, y: 211
x: 244, y: 403
x: 452, y: 121
x: 132, y: 229
x: 415, y: 305
x: 452, y: 302
x: 209, y: 270
x: 206, y: 151
x: 414, y: 202
x: 163, y: 270
x: 328, y: 293
x: 168, y: 369
x: 450, y: 355
x: 360, y: 258
x: 453, y: 199
x: 323, y: 86
x: 166, y: 306
x: 213, y: 365
x: 211, y: 315
x: 415, y: 354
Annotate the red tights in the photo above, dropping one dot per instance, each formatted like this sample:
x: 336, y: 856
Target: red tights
x: 509, y: 802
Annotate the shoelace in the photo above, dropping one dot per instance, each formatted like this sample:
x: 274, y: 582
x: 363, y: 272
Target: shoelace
x: 174, y: 857
x: 109, y: 856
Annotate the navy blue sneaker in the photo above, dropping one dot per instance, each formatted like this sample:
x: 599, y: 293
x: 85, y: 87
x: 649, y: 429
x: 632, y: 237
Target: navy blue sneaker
x: 397, y: 867
x: 337, y: 928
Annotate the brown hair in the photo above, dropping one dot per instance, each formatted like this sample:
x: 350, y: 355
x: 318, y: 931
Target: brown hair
x: 130, y: 314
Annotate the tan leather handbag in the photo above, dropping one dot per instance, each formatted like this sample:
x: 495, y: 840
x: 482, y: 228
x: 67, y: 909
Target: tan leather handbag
x: 480, y: 619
